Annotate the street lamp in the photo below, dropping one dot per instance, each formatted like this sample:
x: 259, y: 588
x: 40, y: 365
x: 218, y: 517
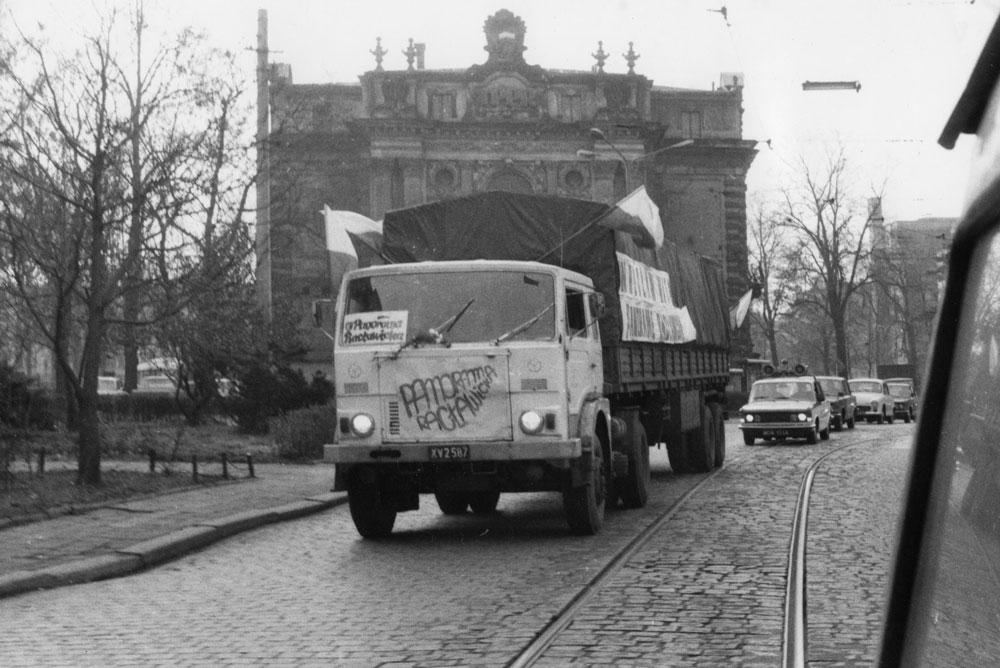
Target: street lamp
x: 596, y: 133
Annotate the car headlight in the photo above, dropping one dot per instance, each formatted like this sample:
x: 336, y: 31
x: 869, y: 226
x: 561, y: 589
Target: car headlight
x: 802, y: 417
x: 531, y: 422
x: 748, y: 418
x: 362, y: 424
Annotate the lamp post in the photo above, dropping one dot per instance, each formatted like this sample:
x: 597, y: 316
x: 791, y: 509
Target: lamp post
x: 596, y: 133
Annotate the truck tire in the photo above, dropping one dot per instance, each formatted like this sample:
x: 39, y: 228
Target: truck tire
x: 811, y: 436
x: 881, y: 417
x: 452, y: 503
x: 584, y: 505
x: 748, y: 438
x: 483, y: 503
x: 701, y: 444
x: 719, y: 419
x: 850, y: 422
x: 370, y: 518
x: 825, y: 434
x: 634, y: 487
x: 840, y: 422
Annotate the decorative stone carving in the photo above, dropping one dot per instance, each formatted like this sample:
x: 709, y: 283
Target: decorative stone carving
x: 378, y: 52
x: 411, y: 55
x: 600, y: 57
x: 630, y: 58
x: 443, y: 178
x: 504, y: 38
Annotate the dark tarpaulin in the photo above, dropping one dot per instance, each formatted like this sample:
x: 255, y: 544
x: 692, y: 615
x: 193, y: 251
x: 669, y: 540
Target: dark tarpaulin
x: 558, y: 231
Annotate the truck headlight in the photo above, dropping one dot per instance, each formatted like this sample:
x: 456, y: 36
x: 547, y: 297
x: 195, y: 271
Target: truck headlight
x: 362, y: 424
x: 802, y: 417
x: 748, y: 418
x: 531, y: 422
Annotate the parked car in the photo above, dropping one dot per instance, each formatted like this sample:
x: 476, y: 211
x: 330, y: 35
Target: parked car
x: 904, y: 400
x: 843, y: 403
x: 786, y: 407
x: 874, y: 400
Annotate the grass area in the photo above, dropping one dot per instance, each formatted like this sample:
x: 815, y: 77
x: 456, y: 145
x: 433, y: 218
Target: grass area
x: 25, y: 494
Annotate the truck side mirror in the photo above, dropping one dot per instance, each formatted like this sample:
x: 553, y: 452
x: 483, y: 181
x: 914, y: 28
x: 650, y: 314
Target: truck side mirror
x: 598, y: 307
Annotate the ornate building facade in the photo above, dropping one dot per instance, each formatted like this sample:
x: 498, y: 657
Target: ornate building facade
x: 406, y: 137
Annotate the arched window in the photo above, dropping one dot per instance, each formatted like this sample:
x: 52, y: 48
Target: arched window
x: 509, y: 181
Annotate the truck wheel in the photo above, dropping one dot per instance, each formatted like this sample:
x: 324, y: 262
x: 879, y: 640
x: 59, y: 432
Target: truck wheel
x: 881, y: 418
x: 850, y: 422
x: 634, y: 489
x: 452, y: 503
x: 584, y: 505
x: 890, y: 416
x: 825, y: 434
x: 701, y: 444
x: 720, y: 433
x: 811, y: 436
x: 484, y: 502
x: 747, y: 438
x: 840, y: 421
x: 370, y: 518
x: 908, y: 416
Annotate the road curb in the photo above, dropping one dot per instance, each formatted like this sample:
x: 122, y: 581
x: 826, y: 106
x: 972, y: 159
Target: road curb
x: 155, y: 551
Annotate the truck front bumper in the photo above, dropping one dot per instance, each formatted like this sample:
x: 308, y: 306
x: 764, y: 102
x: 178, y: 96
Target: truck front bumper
x: 360, y: 453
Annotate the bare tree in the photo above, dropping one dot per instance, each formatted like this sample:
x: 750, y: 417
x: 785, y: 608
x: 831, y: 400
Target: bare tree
x: 769, y: 265
x: 77, y: 222
x: 831, y: 227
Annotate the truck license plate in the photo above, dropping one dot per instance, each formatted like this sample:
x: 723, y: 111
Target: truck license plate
x: 448, y: 452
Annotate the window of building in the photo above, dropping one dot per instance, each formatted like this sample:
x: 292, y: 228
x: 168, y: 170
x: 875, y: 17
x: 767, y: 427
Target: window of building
x: 443, y: 107
x: 572, y: 107
x: 691, y: 124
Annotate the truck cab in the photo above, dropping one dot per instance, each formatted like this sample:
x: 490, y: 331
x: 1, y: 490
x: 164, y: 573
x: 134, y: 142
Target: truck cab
x: 468, y: 379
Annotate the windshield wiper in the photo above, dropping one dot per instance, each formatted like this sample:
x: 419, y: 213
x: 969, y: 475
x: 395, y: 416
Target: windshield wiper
x: 446, y: 326
x: 435, y: 334
x: 523, y: 326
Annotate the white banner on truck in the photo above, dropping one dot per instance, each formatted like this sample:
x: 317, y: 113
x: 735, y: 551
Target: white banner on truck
x: 648, y: 310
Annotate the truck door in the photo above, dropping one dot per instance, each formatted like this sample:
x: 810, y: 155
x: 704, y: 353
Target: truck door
x: 583, y: 349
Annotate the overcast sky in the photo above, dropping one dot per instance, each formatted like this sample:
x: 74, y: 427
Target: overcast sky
x: 911, y: 58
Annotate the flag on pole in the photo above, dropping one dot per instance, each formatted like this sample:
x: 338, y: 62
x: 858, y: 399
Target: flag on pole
x: 352, y: 241
x: 738, y: 313
x: 639, y: 216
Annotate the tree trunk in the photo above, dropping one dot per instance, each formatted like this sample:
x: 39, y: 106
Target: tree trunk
x: 88, y: 470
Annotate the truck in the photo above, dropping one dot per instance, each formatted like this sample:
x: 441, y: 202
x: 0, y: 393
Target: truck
x: 514, y: 343
x: 897, y: 371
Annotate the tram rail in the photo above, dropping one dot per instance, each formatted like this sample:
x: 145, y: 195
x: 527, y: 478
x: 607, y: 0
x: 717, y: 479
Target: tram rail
x: 795, y: 632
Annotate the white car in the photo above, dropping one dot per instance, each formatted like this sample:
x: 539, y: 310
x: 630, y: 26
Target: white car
x: 786, y: 407
x: 875, y: 404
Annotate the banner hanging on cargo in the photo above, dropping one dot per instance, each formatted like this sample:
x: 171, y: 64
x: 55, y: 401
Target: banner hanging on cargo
x: 648, y: 310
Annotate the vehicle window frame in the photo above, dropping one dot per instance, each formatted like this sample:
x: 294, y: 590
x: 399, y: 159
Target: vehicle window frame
x: 911, y: 584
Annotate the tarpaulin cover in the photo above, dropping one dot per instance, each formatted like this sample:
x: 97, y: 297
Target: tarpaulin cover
x: 559, y: 231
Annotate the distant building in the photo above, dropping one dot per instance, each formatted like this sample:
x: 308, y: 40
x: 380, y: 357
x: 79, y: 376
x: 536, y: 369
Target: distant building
x: 909, y: 264
x: 404, y: 137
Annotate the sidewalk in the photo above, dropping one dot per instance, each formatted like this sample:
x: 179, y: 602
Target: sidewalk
x: 121, y: 538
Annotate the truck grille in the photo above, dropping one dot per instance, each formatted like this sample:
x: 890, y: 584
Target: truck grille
x: 394, y: 418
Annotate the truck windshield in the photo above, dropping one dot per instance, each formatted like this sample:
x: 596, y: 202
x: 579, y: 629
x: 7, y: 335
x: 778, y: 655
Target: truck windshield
x: 395, y: 308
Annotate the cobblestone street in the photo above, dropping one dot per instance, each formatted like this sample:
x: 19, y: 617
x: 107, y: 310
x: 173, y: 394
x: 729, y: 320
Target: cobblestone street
x: 708, y: 589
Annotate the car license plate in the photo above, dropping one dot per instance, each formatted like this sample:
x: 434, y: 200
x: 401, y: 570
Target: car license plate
x: 448, y: 452
x: 776, y: 433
